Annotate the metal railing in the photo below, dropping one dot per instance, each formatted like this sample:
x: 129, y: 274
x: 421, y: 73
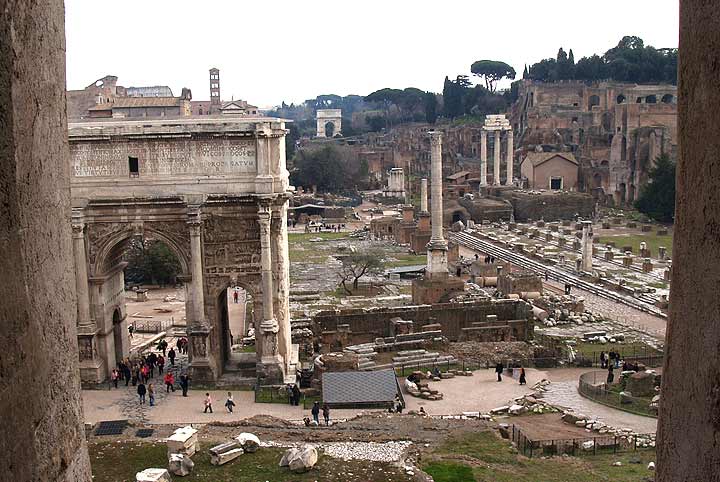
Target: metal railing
x: 151, y: 326
x: 593, y: 385
x: 405, y: 369
x: 581, y: 446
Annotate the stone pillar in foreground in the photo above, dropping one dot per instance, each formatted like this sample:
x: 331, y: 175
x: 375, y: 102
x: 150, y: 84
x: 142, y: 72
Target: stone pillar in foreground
x: 281, y: 289
x: 510, y: 153
x: 483, y: 157
x: 42, y: 436
x: 496, y: 159
x: 437, y: 248
x: 586, y: 246
x: 688, y: 446
x: 423, y: 196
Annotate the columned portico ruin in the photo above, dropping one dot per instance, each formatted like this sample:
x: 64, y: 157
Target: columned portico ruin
x: 216, y: 193
x: 496, y: 124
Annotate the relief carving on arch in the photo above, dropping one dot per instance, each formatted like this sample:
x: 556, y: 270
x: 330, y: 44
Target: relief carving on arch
x: 232, y: 245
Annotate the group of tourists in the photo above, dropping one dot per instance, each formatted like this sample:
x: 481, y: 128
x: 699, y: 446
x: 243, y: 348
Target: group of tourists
x: 499, y: 367
x: 612, y: 358
x: 140, y: 371
x: 293, y: 393
x: 315, y: 411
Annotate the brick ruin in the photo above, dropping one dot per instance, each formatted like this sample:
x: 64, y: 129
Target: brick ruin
x: 484, y: 320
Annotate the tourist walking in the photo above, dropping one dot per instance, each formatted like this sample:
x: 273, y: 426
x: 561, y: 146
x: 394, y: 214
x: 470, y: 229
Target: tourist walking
x: 315, y: 411
x: 208, y: 403
x: 131, y: 329
x: 141, y: 390
x: 184, y: 384
x: 151, y: 394
x: 115, y: 376
x: 326, y: 414
x: 611, y: 375
x: 499, y: 370
x: 522, y: 376
x: 229, y: 403
x: 171, y: 356
x: 161, y: 363
x: 602, y: 359
x: 235, y: 296
x: 169, y: 382
x: 398, y: 404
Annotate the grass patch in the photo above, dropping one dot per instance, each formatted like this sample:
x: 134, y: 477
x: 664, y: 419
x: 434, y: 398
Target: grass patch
x: 401, y: 260
x: 119, y: 461
x: 483, y: 456
x: 449, y: 472
x: 306, y: 237
x: 652, y: 240
x: 302, y: 249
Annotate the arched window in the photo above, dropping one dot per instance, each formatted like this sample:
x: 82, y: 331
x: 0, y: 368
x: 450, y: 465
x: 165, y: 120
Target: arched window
x: 651, y: 99
x: 620, y: 99
x: 667, y: 99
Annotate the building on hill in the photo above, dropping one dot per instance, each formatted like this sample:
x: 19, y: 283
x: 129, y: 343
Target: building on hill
x: 615, y: 130
x: 104, y: 98
x: 550, y: 170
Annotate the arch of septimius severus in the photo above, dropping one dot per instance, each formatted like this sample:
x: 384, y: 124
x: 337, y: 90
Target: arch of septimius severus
x: 215, y: 191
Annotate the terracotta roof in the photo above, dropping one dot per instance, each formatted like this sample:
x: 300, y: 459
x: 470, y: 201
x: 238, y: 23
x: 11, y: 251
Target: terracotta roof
x: 537, y: 158
x: 129, y: 102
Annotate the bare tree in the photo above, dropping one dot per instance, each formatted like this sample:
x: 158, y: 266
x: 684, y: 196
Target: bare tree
x: 356, y: 265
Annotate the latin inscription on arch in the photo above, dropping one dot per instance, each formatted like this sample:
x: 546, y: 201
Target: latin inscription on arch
x: 164, y: 158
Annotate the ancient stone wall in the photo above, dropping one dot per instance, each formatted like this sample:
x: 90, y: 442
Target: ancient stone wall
x: 452, y: 317
x: 689, y: 416
x: 550, y: 206
x: 42, y: 436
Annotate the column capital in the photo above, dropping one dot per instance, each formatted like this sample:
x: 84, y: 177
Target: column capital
x: 435, y: 137
x: 78, y: 229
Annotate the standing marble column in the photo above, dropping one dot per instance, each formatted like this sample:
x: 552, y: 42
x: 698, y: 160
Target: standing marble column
x: 281, y: 273
x: 423, y: 196
x: 587, y: 246
x: 483, y: 157
x: 496, y: 159
x: 268, y: 325
x: 437, y: 247
x: 510, y: 156
x: 81, y: 276
x: 198, y: 294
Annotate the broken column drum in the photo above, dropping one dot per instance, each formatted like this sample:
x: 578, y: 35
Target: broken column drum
x: 587, y: 246
x: 423, y: 196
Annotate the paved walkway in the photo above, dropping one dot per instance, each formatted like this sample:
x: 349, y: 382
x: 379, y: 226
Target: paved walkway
x: 480, y: 392
x: 565, y: 394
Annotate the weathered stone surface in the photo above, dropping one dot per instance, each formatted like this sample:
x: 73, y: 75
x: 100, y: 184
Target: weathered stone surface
x: 641, y: 384
x: 42, y: 435
x: 304, y: 460
x: 153, y: 475
x: 225, y: 457
x: 287, y: 456
x: 249, y: 442
x: 180, y: 464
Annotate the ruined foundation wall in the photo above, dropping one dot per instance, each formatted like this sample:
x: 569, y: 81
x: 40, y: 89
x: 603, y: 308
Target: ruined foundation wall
x: 42, y: 436
x: 452, y: 317
x: 689, y: 418
x: 550, y: 207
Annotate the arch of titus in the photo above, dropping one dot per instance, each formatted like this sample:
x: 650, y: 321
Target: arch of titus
x: 497, y: 124
x: 216, y: 192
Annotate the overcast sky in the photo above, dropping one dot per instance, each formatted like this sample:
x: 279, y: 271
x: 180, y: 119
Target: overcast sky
x: 292, y: 50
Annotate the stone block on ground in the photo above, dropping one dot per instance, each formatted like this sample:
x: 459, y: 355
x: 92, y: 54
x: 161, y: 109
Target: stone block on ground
x: 303, y: 459
x: 225, y: 457
x: 153, y: 475
x: 287, y: 456
x: 249, y: 442
x: 180, y: 464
